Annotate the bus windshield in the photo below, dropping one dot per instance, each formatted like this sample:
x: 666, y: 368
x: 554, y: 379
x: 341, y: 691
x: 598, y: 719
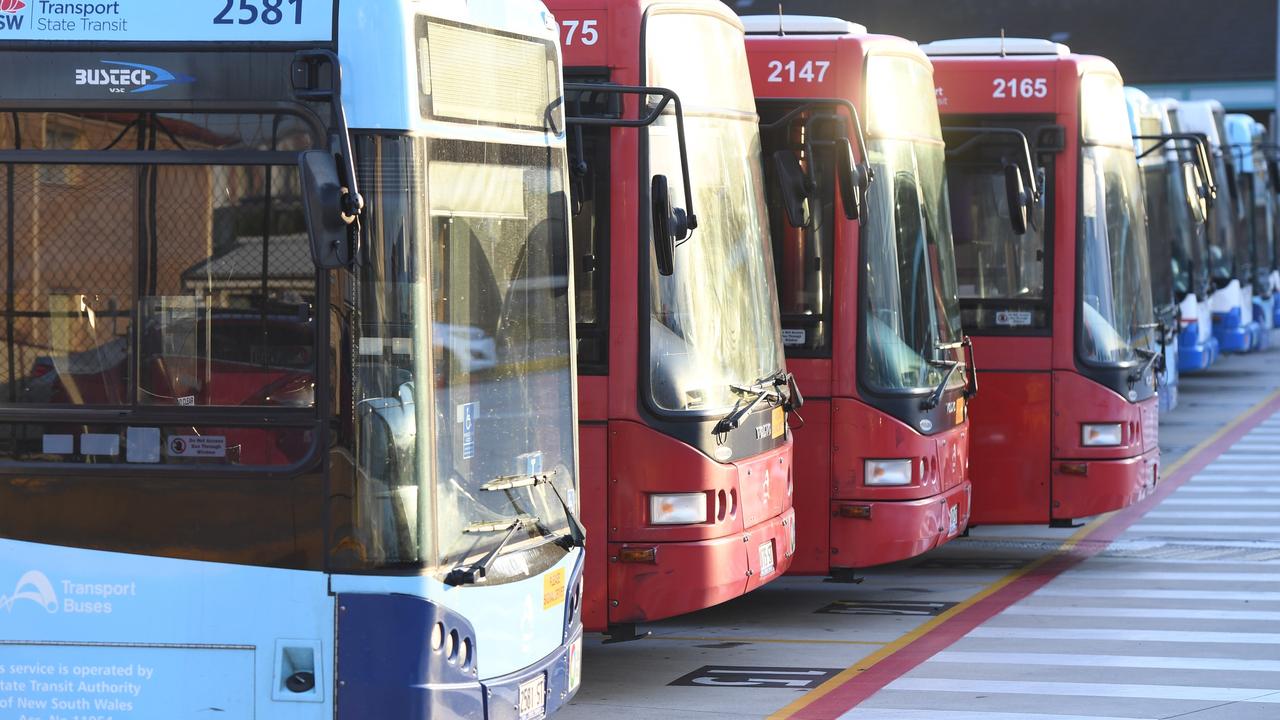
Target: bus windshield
x: 1161, y: 225
x: 1001, y: 275
x: 152, y: 286
x: 463, y: 377
x: 714, y: 323
x: 804, y: 256
x: 1115, y: 269
x: 910, y: 315
x: 1190, y: 252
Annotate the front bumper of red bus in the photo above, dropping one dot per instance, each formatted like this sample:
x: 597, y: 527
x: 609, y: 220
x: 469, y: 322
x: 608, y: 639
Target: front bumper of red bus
x: 652, y: 581
x: 1090, y: 487
x: 866, y: 533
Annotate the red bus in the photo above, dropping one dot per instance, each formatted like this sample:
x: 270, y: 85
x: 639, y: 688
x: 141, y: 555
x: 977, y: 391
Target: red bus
x: 1061, y: 316
x: 683, y: 386
x: 867, y: 287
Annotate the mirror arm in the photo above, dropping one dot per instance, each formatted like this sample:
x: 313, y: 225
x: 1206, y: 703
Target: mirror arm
x: 305, y: 89
x: 805, y: 105
x: 980, y: 132
x: 667, y: 97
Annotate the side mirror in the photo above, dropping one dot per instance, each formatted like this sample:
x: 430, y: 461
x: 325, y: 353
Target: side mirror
x: 853, y: 180
x: 1197, y: 193
x: 793, y: 187
x: 332, y: 245
x: 1016, y: 196
x: 669, y: 225
x: 1273, y: 171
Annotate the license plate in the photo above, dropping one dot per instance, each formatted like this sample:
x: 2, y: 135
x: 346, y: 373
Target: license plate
x: 766, y: 559
x: 575, y: 664
x: 533, y: 698
x: 955, y: 519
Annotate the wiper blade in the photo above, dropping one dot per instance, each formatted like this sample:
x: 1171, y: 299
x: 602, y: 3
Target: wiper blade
x: 577, y: 535
x: 766, y: 388
x: 1149, y: 358
x: 475, y: 572
x: 935, y: 397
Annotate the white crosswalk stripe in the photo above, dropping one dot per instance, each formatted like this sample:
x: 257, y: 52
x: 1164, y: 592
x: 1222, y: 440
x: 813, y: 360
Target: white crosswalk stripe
x: 1113, y: 690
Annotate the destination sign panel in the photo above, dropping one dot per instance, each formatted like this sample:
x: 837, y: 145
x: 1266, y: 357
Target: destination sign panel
x: 167, y: 21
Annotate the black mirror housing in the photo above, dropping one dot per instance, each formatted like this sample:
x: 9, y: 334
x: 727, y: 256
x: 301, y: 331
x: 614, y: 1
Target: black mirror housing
x: 853, y: 180
x: 1016, y: 197
x: 793, y: 187
x: 332, y: 245
x: 669, y: 225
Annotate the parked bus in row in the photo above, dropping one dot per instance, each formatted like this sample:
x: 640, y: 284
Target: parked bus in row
x: 1255, y: 207
x: 1066, y: 424
x: 1156, y: 167
x: 1232, y: 261
x: 866, y: 278
x: 288, y: 424
x: 687, y: 459
x: 1198, y: 348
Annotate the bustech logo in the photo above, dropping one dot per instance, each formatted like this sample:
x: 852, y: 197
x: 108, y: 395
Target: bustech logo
x: 9, y: 17
x: 127, y: 77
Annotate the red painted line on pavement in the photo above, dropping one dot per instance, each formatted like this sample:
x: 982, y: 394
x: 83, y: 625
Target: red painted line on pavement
x: 852, y: 692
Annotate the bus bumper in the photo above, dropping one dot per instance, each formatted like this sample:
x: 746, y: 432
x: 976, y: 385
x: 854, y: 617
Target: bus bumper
x: 1082, y: 488
x: 682, y: 577
x: 1233, y: 335
x: 866, y: 533
x: 1194, y: 355
x: 562, y: 671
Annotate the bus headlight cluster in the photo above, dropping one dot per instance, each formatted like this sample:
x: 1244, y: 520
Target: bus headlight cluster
x: 887, y: 472
x: 1102, y: 435
x: 678, y: 509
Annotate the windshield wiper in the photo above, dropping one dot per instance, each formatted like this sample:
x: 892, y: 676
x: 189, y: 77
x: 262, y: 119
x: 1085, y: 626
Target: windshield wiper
x: 577, y: 535
x: 750, y: 396
x: 475, y: 572
x: 935, y: 397
x: 1149, y: 358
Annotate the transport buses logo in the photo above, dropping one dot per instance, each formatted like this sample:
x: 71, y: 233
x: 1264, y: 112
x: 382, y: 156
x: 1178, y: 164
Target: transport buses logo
x: 77, y: 598
x: 34, y: 587
x: 126, y: 77
x: 9, y: 17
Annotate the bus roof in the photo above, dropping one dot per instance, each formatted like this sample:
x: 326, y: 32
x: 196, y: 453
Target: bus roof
x: 800, y: 25
x: 1000, y: 47
x: 1198, y: 116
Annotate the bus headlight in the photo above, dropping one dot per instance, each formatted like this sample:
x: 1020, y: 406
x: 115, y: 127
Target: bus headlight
x: 1101, y: 435
x: 678, y: 509
x: 887, y: 472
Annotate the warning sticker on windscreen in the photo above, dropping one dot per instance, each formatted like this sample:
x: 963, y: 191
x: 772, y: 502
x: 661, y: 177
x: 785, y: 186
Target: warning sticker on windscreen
x: 202, y: 446
x: 793, y: 337
x: 1014, y: 318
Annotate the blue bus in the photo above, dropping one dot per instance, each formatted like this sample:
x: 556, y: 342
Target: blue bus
x: 1198, y: 347
x: 1256, y: 208
x: 287, y: 397
x: 1231, y: 262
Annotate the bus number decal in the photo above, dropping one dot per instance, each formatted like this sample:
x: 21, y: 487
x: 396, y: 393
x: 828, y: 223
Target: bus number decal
x: 810, y: 71
x: 270, y: 12
x: 1020, y: 88
x: 582, y: 30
